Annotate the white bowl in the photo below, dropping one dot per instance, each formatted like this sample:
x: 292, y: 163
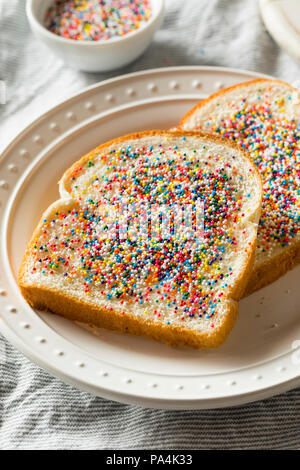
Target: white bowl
x: 95, y: 56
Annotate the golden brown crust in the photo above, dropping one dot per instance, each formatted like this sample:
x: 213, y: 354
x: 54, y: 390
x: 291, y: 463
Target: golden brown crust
x: 70, y: 307
x: 275, y: 267
x: 86, y: 312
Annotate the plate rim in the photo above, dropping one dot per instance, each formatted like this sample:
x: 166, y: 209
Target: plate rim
x: 128, y: 397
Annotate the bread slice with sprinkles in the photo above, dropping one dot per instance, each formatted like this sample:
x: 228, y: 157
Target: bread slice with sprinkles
x: 263, y: 117
x: 154, y: 235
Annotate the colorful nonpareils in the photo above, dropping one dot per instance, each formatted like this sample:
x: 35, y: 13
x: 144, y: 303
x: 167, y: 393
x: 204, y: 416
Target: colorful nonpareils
x: 187, y: 274
x: 96, y: 20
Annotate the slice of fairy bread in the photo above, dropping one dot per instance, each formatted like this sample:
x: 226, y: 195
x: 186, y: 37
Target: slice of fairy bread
x: 263, y: 116
x: 154, y: 235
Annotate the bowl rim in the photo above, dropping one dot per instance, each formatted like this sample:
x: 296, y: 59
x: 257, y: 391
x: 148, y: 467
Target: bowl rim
x: 31, y: 15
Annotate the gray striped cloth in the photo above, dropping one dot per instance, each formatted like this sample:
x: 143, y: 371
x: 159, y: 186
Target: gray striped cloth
x: 38, y: 411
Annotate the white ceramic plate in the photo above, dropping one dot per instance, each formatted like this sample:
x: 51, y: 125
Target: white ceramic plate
x: 257, y: 360
x: 282, y: 20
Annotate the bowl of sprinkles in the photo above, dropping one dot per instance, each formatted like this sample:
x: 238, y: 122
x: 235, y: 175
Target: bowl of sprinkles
x: 95, y: 35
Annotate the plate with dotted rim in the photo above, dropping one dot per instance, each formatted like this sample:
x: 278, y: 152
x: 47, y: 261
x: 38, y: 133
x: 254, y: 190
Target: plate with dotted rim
x: 281, y: 19
x: 261, y: 356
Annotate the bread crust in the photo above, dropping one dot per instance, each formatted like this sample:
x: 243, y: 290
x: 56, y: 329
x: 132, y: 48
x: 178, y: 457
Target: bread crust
x: 271, y: 269
x: 70, y: 307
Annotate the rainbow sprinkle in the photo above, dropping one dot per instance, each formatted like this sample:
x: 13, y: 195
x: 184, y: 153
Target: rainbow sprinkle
x: 273, y: 142
x: 96, y: 20
x: 182, y: 273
